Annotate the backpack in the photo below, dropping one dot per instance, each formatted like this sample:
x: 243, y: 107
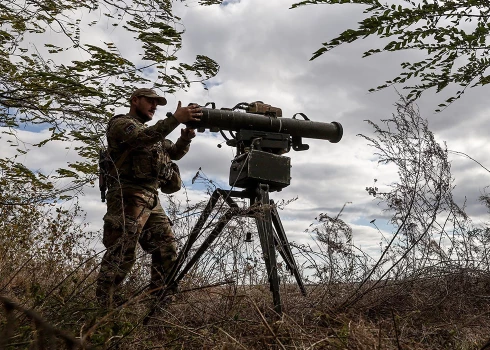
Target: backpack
x: 107, y: 167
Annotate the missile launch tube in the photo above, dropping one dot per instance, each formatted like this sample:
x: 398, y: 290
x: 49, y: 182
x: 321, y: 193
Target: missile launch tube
x: 215, y: 119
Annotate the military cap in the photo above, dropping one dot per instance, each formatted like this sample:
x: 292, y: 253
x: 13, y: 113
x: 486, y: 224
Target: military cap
x: 149, y: 93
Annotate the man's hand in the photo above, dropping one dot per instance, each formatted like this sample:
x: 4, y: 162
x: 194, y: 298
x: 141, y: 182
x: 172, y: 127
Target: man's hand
x: 187, y: 114
x: 187, y: 134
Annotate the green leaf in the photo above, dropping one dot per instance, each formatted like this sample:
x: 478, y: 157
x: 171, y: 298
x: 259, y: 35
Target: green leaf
x: 74, y: 100
x: 424, y: 27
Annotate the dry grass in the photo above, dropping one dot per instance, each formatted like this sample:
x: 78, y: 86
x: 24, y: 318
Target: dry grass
x: 449, y: 312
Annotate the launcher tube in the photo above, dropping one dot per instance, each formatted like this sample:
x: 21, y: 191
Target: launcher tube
x: 215, y: 119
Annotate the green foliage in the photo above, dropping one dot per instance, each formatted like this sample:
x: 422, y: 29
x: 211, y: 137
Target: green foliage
x: 54, y: 75
x: 453, y: 35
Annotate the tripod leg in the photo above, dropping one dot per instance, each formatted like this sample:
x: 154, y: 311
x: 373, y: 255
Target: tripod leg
x: 193, y: 236
x: 208, y: 241
x: 284, y: 248
x: 264, y: 227
x: 172, y: 278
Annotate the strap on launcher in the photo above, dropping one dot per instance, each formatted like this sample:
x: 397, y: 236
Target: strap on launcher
x: 104, y: 170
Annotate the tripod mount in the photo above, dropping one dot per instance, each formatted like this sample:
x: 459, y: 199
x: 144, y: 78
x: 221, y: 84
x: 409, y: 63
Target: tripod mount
x: 258, y: 172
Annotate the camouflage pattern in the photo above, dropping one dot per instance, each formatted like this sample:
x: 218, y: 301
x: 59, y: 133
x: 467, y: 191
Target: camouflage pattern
x: 149, y: 151
x: 134, y: 213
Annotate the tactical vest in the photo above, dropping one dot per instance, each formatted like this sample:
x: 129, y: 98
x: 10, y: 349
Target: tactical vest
x: 140, y: 166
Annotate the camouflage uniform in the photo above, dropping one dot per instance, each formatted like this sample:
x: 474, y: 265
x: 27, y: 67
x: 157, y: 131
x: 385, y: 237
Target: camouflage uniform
x: 134, y: 213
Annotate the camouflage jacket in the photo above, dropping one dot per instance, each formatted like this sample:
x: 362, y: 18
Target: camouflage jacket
x: 149, y: 151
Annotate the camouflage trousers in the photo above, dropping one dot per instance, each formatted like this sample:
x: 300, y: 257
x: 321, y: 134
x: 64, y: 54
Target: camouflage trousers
x: 134, y: 216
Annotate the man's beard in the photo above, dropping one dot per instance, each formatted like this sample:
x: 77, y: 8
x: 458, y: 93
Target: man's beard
x: 143, y: 117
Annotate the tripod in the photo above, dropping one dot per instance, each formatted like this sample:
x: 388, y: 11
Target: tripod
x: 270, y: 230
x: 258, y: 168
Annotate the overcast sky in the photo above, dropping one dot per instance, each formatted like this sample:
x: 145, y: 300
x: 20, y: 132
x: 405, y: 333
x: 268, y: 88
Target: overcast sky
x: 263, y: 48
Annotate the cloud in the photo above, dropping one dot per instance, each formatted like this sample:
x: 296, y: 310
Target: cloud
x: 263, y: 48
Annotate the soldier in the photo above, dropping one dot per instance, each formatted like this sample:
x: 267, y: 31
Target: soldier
x: 139, y: 156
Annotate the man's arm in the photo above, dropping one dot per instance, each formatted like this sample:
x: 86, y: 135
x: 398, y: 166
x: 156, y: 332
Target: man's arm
x: 179, y: 149
x: 134, y: 134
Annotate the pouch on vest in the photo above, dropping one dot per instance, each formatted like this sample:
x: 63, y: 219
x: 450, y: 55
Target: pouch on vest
x: 144, y: 164
x: 170, y: 181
